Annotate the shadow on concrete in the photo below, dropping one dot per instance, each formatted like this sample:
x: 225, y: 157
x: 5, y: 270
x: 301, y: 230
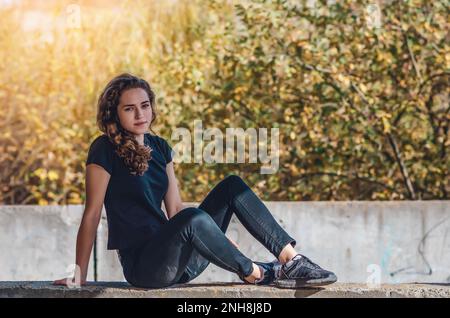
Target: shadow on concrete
x: 307, y: 291
x: 46, y: 289
x: 433, y: 284
x: 110, y: 284
x: 262, y: 291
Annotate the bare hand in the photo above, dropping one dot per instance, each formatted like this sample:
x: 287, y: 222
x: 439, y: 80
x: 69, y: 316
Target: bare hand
x: 68, y: 281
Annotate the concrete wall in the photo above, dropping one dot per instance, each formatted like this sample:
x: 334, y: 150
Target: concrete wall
x: 38, y: 242
x: 390, y: 242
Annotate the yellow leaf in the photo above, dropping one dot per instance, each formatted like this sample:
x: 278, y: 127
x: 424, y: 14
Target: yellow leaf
x: 52, y: 175
x: 386, y: 125
x: 363, y: 88
x: 292, y: 135
x: 41, y: 173
x: 344, y: 80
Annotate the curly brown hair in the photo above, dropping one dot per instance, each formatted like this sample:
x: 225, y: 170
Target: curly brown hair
x: 135, y: 156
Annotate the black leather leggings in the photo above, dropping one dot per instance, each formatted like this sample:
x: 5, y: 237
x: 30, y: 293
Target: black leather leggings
x: 194, y: 237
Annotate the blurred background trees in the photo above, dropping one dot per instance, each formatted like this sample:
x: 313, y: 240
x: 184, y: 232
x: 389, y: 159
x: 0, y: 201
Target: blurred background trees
x: 358, y: 89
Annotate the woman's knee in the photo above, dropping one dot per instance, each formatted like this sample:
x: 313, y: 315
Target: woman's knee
x: 233, y: 179
x: 195, y: 216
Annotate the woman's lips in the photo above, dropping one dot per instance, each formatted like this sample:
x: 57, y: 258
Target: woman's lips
x: 141, y: 124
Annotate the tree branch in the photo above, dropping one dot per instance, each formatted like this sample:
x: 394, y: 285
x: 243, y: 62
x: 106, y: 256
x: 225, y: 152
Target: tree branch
x: 413, y: 59
x: 403, y: 170
x: 422, y: 85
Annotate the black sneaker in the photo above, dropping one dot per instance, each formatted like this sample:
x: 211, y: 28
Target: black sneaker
x: 268, y: 274
x: 302, y: 272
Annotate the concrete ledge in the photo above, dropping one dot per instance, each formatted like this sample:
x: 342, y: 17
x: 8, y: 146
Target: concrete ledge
x: 45, y: 289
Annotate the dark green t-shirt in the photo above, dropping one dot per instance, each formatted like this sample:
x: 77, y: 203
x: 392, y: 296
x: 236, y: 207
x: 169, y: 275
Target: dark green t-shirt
x: 132, y: 203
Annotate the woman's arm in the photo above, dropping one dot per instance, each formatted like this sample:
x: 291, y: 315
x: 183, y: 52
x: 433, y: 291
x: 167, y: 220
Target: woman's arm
x: 172, y: 200
x: 97, y: 180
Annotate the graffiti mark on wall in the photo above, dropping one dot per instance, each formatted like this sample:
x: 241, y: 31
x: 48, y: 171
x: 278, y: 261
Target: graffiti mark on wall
x: 428, y: 271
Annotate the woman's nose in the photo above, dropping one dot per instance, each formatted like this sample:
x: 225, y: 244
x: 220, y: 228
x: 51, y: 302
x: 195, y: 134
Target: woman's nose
x: 138, y: 114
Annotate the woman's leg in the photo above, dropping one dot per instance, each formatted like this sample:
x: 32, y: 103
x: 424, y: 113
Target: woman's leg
x: 162, y: 261
x: 233, y: 195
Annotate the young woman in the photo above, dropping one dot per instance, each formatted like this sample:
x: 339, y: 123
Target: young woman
x: 131, y: 172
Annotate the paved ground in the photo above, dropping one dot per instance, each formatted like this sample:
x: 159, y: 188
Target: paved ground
x: 227, y: 290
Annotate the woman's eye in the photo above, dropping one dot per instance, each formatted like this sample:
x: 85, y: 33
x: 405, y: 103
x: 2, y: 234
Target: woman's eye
x: 146, y: 105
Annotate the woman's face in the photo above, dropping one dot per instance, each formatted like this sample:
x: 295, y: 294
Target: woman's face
x: 135, y: 111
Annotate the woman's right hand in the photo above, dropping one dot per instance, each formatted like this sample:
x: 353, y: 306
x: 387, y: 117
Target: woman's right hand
x: 68, y: 281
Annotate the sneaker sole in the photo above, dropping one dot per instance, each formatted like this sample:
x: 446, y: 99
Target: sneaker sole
x: 299, y: 283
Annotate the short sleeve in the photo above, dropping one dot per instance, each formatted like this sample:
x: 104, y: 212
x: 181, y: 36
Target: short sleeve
x: 100, y: 153
x: 166, y: 150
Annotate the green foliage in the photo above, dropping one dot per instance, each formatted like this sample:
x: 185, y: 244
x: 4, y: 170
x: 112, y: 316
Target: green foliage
x: 363, y: 110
